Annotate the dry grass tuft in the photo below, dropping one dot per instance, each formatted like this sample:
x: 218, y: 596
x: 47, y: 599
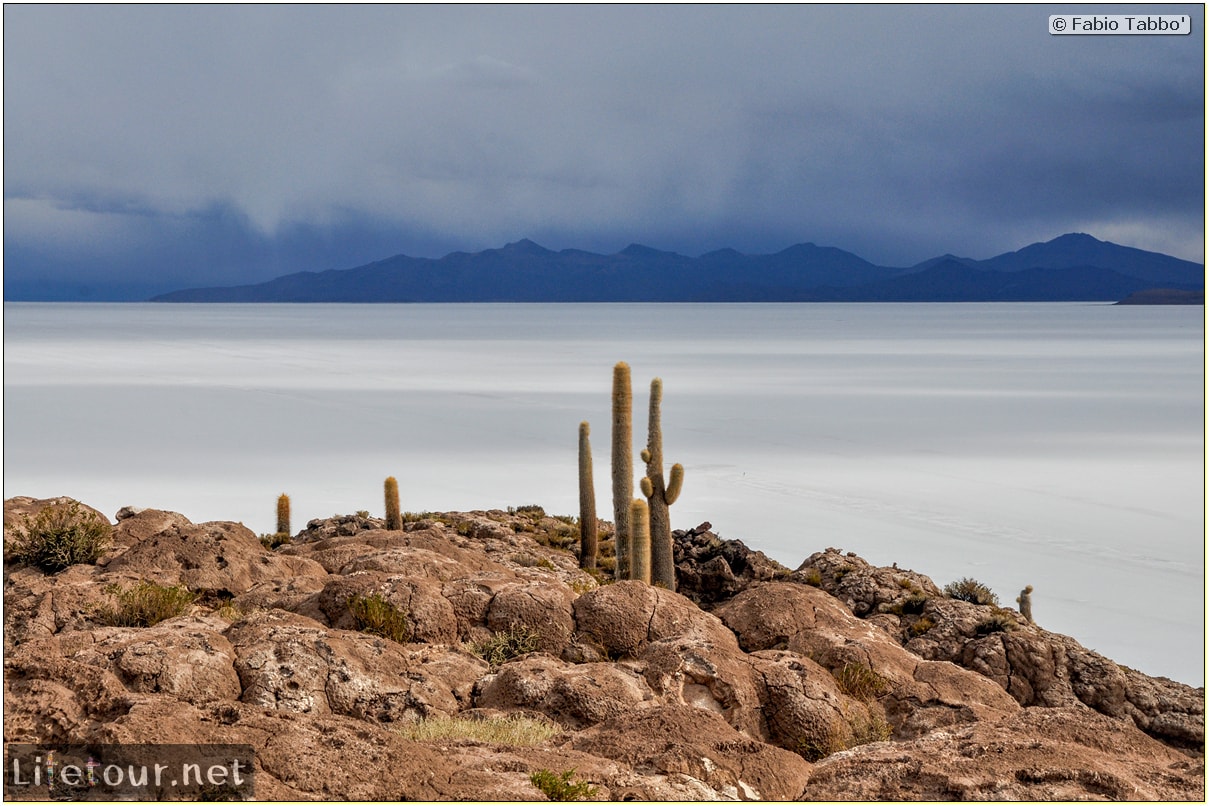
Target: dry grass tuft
x: 511, y: 731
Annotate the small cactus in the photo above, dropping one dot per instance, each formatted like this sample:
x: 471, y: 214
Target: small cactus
x: 660, y: 496
x: 587, y: 501
x: 394, y: 519
x: 1025, y: 600
x: 640, y: 541
x: 283, y: 514
x: 623, y: 466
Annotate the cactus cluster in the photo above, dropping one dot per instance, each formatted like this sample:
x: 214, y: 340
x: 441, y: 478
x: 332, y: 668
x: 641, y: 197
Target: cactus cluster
x: 394, y: 517
x: 642, y: 529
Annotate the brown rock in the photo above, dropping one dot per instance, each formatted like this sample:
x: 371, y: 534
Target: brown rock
x: 50, y: 698
x: 540, y: 607
x: 711, y: 570
x: 38, y: 605
x: 429, y: 615
x: 626, y: 616
x: 657, y: 699
x: 694, y: 744
x: 918, y: 695
x: 1039, y: 754
x: 218, y: 556
x: 288, y: 662
x: 574, y: 695
x: 863, y: 588
x: 187, y: 657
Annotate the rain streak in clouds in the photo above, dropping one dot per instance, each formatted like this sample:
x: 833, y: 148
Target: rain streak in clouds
x: 149, y: 148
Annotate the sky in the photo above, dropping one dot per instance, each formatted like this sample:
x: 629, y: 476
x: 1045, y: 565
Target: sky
x: 149, y: 148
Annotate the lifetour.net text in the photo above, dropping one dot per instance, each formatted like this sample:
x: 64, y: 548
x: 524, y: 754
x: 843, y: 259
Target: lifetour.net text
x: 128, y: 772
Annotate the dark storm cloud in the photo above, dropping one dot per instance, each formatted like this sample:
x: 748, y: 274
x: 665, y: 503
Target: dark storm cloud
x: 150, y: 147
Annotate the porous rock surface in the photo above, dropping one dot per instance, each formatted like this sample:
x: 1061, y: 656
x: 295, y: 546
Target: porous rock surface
x: 835, y: 681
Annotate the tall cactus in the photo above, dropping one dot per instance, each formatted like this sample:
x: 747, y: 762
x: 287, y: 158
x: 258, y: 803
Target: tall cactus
x: 660, y: 496
x: 587, y: 501
x: 640, y: 541
x: 283, y: 514
x: 623, y: 466
x: 394, y: 518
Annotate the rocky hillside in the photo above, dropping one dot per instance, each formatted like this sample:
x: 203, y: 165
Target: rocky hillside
x: 834, y: 681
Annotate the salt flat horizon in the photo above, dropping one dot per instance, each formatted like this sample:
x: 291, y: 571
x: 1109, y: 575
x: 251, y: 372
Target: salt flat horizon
x: 1054, y: 444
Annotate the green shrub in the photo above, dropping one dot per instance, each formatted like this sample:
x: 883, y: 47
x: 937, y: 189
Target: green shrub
x: 561, y: 536
x: 560, y: 786
x: 145, y: 604
x: 914, y: 604
x: 971, y: 590
x: 272, y: 541
x: 860, y: 682
x: 416, y: 517
x: 377, y: 616
x: 60, y: 536
x: 812, y: 577
x: 507, y: 644
x: 922, y: 626
x: 1000, y: 622
x: 229, y: 612
x: 868, y: 729
x: 863, y: 728
x: 819, y: 748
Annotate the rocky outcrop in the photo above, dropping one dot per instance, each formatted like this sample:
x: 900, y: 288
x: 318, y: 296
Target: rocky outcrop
x: 838, y: 680
x: 711, y: 570
x: 1035, y: 666
x: 1062, y: 754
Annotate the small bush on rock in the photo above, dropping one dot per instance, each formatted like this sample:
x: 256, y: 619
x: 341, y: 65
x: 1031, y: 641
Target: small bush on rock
x: 971, y: 590
x: 145, y: 604
x: 375, y: 615
x: 1000, y: 622
x: 58, y: 537
x: 502, y: 647
x: 860, y: 682
x: 868, y: 729
x: 272, y: 541
x: 561, y: 786
x: 819, y: 749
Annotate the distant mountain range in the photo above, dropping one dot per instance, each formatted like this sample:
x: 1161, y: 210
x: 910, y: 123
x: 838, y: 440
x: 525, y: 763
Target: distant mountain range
x: 1073, y: 267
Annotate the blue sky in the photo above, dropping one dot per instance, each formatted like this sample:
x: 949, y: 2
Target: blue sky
x: 154, y: 147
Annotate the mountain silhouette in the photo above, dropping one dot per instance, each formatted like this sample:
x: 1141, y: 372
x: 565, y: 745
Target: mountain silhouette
x: 1071, y: 267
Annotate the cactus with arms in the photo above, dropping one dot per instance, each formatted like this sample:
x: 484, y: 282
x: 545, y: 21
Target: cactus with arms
x: 623, y: 466
x: 587, y: 501
x: 660, y: 495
